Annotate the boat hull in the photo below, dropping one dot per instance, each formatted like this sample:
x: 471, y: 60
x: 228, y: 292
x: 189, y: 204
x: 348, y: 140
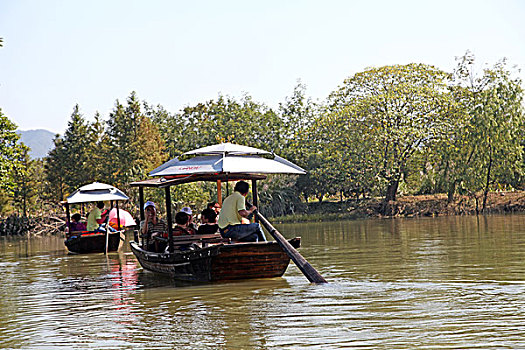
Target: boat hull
x: 221, y: 262
x: 94, y: 242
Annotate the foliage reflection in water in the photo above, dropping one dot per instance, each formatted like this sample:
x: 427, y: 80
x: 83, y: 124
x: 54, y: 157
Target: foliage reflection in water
x: 452, y: 282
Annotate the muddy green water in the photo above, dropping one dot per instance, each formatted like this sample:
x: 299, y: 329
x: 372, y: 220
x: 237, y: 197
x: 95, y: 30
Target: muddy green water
x: 429, y: 283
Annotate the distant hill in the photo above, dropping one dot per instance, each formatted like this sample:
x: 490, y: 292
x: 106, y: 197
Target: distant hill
x: 40, y: 141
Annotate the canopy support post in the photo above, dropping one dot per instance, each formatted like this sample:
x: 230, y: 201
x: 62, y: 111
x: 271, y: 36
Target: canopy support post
x: 255, y: 195
x: 219, y: 192
x: 68, y: 219
x: 141, y: 203
x: 118, y: 216
x: 169, y: 218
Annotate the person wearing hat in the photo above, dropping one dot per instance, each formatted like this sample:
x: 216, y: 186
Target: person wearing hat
x: 191, y: 224
x: 183, y: 224
x: 152, y: 227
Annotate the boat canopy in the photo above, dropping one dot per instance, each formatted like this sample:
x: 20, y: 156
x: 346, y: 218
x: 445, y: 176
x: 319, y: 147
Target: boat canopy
x: 167, y: 181
x: 95, y: 192
x: 227, y: 158
x: 228, y: 148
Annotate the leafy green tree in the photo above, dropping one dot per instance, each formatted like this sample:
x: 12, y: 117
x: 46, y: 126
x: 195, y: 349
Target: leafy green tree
x: 24, y: 194
x: 401, y: 108
x: 56, y: 174
x: 299, y: 139
x: 170, y: 126
x: 244, y: 122
x: 67, y: 165
x: 132, y: 145
x: 493, y: 126
x: 10, y: 152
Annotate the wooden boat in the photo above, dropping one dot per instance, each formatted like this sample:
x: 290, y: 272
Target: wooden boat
x: 208, y: 262
x: 80, y: 242
x: 94, y: 242
x: 212, y: 258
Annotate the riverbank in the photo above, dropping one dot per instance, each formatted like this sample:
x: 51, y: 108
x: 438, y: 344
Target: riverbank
x: 406, y: 206
x: 409, y: 206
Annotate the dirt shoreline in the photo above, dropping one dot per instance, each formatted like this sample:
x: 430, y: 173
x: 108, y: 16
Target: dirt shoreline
x: 411, y: 206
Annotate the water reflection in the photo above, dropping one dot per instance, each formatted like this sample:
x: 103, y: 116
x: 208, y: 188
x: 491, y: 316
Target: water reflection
x: 421, y: 283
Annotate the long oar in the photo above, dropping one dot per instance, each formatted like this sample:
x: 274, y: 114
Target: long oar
x: 308, y: 270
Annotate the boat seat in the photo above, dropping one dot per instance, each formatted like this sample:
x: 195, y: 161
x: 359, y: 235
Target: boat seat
x: 189, y: 239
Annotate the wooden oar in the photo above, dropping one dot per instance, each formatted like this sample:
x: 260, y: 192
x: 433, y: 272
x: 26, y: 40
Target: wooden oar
x: 308, y: 270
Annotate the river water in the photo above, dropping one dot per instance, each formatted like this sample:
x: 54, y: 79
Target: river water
x: 431, y: 283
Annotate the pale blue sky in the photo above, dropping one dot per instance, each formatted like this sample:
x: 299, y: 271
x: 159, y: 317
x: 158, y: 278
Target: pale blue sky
x: 177, y: 53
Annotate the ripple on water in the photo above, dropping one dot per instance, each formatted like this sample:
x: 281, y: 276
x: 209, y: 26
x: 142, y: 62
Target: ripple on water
x: 404, y: 284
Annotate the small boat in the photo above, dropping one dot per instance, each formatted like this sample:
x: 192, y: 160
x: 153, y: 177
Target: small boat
x: 209, y: 258
x: 80, y: 242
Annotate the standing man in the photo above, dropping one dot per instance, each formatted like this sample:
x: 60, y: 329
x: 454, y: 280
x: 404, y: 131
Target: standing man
x: 232, y: 212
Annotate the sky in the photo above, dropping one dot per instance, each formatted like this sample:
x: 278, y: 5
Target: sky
x: 57, y: 54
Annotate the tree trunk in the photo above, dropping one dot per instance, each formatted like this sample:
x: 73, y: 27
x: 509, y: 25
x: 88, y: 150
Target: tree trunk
x: 390, y: 196
x: 451, y: 192
x: 391, y: 191
x: 487, y: 184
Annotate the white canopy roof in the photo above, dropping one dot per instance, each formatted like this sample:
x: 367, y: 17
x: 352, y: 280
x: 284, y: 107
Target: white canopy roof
x: 95, y: 192
x: 228, y: 158
x: 227, y: 148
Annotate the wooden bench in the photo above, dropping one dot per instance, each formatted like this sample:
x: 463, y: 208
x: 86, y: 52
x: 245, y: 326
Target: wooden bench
x: 188, y: 239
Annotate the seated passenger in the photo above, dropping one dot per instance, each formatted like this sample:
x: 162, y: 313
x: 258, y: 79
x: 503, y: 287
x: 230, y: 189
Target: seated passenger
x: 152, y: 227
x: 95, y: 217
x: 188, y: 211
x: 75, y: 224
x: 182, y: 219
x: 216, y: 207
x: 209, y: 222
x: 233, y: 211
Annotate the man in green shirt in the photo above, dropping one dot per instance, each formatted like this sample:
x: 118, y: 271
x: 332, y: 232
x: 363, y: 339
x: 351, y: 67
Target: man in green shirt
x: 232, y: 212
x: 95, y: 217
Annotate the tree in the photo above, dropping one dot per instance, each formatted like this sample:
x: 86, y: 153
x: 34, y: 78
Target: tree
x: 25, y: 188
x: 56, y: 174
x: 491, y: 150
x: 299, y: 144
x: 244, y: 122
x: 10, y: 152
x: 133, y: 145
x: 401, y: 108
x: 68, y: 165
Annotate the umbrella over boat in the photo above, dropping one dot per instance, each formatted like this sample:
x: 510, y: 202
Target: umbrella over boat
x: 95, y: 192
x: 123, y: 217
